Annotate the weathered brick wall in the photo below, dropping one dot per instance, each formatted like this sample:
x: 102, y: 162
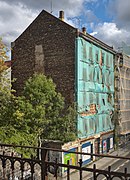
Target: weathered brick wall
x: 48, y: 46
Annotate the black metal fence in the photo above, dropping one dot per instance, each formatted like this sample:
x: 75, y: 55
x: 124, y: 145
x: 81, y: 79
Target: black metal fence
x: 14, y: 166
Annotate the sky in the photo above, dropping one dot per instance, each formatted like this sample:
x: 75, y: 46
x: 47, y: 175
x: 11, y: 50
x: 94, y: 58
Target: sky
x: 107, y: 20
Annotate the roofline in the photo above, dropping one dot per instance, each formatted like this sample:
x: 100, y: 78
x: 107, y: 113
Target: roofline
x: 98, y: 42
x: 86, y: 36
x: 44, y: 11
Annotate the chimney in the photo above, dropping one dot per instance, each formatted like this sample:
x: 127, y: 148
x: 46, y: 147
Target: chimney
x: 84, y: 30
x: 61, y: 15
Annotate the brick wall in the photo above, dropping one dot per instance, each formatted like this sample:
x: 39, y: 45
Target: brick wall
x: 48, y: 46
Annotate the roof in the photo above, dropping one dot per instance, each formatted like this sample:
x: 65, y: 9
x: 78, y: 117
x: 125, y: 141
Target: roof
x: 86, y: 36
x: 97, y: 42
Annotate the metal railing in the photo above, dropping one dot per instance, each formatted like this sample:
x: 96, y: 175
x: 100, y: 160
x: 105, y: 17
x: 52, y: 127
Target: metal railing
x: 14, y: 166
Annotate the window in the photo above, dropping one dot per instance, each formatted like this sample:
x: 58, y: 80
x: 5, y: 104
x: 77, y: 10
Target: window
x: 107, y: 60
x: 84, y: 51
x: 103, y: 58
x: 84, y: 74
x: 90, y: 53
x: 103, y: 102
x: 97, y: 59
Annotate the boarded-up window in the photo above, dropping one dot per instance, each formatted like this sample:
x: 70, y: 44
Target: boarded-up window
x: 91, y: 73
x: 107, y: 60
x: 90, y: 54
x: 103, y: 58
x: 84, y: 98
x: 91, y: 124
x: 100, y: 75
x: 96, y: 56
x: 84, y: 74
x: 91, y: 98
x: 84, y: 51
x: 97, y: 98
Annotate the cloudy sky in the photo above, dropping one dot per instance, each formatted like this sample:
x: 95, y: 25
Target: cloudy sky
x: 108, y: 20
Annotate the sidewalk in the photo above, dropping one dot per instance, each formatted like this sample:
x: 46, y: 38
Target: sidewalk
x: 102, y: 163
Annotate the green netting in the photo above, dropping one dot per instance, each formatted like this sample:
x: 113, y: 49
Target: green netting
x: 92, y: 98
x: 96, y: 73
x: 85, y: 71
x: 84, y: 98
x: 86, y: 86
x: 100, y: 122
x: 91, y: 73
x: 98, y: 88
x: 107, y: 78
x: 100, y: 76
x: 111, y: 89
x: 86, y: 126
x: 96, y: 56
x: 96, y: 130
x: 107, y: 125
x: 80, y: 102
x: 80, y: 67
x: 105, y: 75
x: 97, y: 98
x: 107, y: 62
x: 111, y: 62
x: 95, y: 84
x: 90, y: 54
x: 105, y: 88
x: 84, y: 74
x: 84, y: 50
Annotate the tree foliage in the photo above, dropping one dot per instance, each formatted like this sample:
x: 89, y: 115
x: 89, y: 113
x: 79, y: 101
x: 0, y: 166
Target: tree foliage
x: 39, y: 112
x: 47, y: 113
x: 3, y: 57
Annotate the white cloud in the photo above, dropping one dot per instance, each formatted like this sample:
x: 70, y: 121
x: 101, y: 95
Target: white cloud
x: 120, y: 10
x: 93, y: 33
x: 16, y: 15
x: 14, y: 20
x: 111, y: 34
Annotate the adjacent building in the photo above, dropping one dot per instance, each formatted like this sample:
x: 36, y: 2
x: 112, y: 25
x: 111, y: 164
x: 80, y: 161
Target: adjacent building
x: 122, y: 91
x: 81, y: 66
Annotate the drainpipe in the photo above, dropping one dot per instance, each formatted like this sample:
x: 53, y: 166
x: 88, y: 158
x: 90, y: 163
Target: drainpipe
x: 76, y: 76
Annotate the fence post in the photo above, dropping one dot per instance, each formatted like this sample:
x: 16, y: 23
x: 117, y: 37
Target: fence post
x: 80, y: 164
x: 109, y: 170
x: 4, y: 166
x: 68, y: 170
x: 125, y: 173
x: 56, y: 168
x: 44, y: 165
x: 94, y: 171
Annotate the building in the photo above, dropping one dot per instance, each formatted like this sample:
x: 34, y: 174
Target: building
x: 122, y: 85
x: 82, y: 68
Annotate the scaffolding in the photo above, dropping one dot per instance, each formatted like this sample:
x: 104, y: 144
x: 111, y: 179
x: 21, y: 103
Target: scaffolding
x: 123, y: 84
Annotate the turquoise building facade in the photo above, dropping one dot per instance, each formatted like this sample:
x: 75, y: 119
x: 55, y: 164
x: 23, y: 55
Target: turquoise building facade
x: 94, y: 87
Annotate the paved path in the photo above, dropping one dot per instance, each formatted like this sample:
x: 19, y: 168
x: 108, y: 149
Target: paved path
x: 100, y: 164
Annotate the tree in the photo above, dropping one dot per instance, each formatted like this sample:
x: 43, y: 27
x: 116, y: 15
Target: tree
x: 48, y: 116
x: 4, y: 90
x: 4, y: 84
x: 38, y: 113
x: 3, y: 57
